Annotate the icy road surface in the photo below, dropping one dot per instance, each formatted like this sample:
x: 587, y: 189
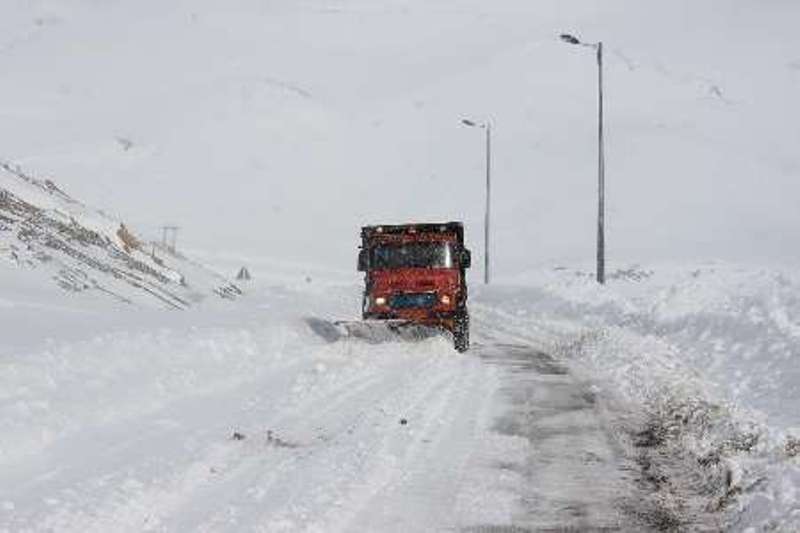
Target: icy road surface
x: 249, y: 421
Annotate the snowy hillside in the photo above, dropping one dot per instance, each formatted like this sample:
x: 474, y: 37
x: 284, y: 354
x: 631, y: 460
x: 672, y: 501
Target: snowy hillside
x: 303, y: 114
x: 80, y: 249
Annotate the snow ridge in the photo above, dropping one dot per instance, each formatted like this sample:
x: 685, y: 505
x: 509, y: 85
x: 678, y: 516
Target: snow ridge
x: 707, y: 353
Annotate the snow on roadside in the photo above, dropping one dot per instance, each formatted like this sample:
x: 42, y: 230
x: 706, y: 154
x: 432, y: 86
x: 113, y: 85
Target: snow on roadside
x: 52, y: 394
x: 709, y: 352
x: 136, y: 361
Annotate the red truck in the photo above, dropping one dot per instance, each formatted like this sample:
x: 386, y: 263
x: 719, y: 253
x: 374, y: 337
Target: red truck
x: 416, y: 274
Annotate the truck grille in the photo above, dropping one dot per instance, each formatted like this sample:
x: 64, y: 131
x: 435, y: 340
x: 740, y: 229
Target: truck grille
x: 411, y: 300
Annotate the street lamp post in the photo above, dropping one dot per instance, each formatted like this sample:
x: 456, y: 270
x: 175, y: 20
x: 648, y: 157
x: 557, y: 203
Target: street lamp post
x: 487, y: 127
x: 601, y: 164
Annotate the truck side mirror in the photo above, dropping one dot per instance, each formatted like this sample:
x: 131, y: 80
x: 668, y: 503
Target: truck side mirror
x: 363, y: 261
x: 466, y: 258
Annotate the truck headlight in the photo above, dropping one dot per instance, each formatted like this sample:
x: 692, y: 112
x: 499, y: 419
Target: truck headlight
x: 445, y: 299
x: 380, y: 300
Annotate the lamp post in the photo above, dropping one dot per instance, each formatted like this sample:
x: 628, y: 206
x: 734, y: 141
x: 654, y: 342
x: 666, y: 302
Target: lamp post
x: 601, y: 164
x: 487, y: 127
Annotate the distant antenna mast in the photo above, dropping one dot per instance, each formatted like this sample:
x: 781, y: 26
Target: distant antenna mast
x: 169, y: 237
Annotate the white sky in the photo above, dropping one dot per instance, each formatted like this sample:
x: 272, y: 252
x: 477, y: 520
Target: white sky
x: 279, y: 127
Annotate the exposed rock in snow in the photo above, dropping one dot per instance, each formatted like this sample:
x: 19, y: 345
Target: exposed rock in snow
x: 81, y: 249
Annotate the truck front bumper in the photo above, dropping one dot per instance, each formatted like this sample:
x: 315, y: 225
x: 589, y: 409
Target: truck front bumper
x: 423, y: 317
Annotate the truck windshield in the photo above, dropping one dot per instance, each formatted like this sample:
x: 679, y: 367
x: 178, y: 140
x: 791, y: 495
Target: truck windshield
x: 413, y: 255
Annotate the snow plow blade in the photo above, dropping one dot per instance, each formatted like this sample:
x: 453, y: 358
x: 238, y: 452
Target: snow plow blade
x: 388, y: 330
x: 373, y: 331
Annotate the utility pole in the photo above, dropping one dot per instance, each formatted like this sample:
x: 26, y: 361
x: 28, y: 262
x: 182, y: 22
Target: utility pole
x: 601, y: 173
x: 601, y: 163
x: 487, y: 127
x: 169, y: 237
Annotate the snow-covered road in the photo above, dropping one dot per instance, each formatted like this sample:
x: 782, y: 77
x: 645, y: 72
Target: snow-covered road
x: 390, y: 438
x: 241, y: 417
x: 574, y: 475
x: 222, y: 428
x: 322, y: 446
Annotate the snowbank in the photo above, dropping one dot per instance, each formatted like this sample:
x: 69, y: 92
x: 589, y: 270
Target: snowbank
x: 52, y: 394
x: 709, y: 352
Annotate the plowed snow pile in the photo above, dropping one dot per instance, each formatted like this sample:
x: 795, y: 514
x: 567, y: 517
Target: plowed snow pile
x: 710, y: 352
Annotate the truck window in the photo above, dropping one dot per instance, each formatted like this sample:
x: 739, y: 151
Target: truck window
x: 413, y: 255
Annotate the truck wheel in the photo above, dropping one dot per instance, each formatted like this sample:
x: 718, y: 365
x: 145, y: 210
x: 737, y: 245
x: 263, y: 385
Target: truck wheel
x: 461, y: 332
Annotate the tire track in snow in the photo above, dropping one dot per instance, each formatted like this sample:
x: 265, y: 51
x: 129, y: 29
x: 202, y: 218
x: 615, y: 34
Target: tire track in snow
x: 432, y: 467
x: 323, y: 487
x: 319, y: 424
x: 130, y: 489
x: 161, y: 493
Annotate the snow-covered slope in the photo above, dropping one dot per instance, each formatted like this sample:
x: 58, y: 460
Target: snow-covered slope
x: 302, y: 114
x: 81, y: 249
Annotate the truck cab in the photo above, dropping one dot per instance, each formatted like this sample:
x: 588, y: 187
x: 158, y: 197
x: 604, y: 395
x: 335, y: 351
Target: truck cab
x: 416, y: 273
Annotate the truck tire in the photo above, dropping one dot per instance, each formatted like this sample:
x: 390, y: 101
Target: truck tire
x: 461, y: 332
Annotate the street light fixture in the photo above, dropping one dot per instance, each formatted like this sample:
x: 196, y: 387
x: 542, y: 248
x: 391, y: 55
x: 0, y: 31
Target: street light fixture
x: 487, y: 127
x: 601, y: 165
